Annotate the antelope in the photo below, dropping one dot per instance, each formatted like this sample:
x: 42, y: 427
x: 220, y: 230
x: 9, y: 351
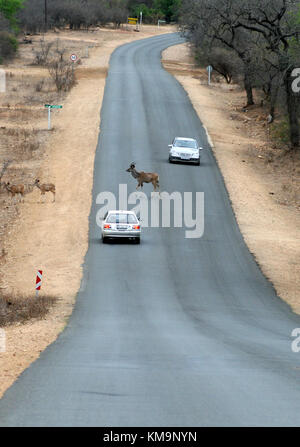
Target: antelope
x: 15, y: 189
x: 45, y: 187
x: 144, y: 177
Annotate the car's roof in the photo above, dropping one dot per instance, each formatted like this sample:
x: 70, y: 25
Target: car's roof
x: 121, y: 212
x: 185, y: 138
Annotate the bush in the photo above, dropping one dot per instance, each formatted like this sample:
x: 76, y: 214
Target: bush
x: 280, y: 131
x: 42, y: 53
x: 20, y: 309
x: 62, y: 74
x: 8, y: 46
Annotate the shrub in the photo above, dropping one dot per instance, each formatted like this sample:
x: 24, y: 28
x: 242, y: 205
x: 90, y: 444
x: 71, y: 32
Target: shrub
x: 20, y: 309
x: 8, y: 45
x: 62, y: 74
x: 42, y: 54
x: 281, y: 131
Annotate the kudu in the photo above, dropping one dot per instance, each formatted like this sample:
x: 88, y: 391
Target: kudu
x: 15, y: 189
x: 45, y: 187
x: 144, y: 177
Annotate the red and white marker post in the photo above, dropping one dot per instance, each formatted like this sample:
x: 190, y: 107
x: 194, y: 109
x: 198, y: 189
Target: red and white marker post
x: 38, y: 282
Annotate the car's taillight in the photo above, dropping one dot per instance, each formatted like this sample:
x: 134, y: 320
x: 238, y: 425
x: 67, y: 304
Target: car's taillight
x: 136, y: 227
x: 107, y: 226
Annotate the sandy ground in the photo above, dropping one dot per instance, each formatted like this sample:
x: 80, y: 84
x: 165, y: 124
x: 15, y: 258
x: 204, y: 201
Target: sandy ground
x: 263, y: 184
x: 53, y: 237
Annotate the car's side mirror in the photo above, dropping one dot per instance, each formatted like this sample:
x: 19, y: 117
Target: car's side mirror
x: 169, y: 145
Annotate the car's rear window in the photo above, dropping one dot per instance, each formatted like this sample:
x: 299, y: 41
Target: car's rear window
x: 121, y: 218
x: 185, y: 143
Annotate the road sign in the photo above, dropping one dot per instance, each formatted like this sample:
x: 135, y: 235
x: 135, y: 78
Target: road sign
x: 159, y: 22
x: 49, y: 107
x: 38, y: 282
x: 53, y: 106
x: 132, y: 20
x: 73, y: 57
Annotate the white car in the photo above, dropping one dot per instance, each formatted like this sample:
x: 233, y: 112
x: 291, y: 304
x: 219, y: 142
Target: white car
x: 121, y: 224
x: 184, y: 149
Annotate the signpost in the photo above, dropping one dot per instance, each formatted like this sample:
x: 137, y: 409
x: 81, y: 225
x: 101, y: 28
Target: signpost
x: 160, y: 21
x: 73, y: 58
x: 209, y: 69
x: 134, y: 21
x: 38, y: 282
x: 49, y: 107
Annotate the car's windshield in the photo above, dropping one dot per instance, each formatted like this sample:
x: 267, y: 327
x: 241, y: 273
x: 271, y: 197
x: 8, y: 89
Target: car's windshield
x: 121, y: 218
x: 186, y: 143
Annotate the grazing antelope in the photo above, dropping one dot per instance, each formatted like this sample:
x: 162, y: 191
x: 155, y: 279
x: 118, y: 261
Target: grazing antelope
x: 15, y: 189
x: 45, y: 187
x: 144, y: 177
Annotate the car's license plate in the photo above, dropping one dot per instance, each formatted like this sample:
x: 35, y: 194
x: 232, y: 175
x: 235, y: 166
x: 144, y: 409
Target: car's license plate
x: 119, y: 227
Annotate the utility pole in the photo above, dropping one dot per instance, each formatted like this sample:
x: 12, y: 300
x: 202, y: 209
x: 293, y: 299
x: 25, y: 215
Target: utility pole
x: 46, y: 16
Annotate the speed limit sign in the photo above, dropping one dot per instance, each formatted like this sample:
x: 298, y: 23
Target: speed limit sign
x: 73, y: 57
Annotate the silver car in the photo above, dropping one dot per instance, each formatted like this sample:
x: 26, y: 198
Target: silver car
x: 121, y: 224
x: 184, y: 149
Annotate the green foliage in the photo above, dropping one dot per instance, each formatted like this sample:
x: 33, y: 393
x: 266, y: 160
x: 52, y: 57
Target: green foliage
x: 280, y: 131
x: 157, y: 9
x: 169, y: 8
x: 150, y: 15
x: 9, y: 9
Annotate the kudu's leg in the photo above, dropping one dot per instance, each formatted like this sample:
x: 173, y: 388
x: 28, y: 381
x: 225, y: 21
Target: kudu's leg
x: 140, y: 184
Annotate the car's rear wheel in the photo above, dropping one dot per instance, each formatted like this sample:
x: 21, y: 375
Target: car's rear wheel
x: 137, y: 240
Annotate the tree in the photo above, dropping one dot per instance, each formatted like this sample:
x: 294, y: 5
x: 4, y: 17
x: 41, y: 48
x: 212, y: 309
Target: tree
x: 169, y: 8
x: 9, y: 9
x: 277, y: 22
x: 264, y: 34
x: 216, y: 22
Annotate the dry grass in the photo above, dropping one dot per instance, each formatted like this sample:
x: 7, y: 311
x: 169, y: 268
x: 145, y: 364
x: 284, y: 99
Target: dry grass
x: 21, y: 309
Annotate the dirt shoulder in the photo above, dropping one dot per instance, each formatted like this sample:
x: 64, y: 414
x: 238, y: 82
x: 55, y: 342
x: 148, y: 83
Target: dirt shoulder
x: 53, y: 237
x: 262, y: 180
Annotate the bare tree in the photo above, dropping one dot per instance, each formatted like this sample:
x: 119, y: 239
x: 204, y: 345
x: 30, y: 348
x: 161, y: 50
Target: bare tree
x: 264, y: 34
x: 275, y: 22
x: 216, y: 21
x: 41, y: 55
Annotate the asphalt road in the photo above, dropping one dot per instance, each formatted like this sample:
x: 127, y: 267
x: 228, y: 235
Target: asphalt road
x: 176, y: 331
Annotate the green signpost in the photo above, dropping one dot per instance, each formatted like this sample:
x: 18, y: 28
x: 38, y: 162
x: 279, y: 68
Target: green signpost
x: 49, y: 107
